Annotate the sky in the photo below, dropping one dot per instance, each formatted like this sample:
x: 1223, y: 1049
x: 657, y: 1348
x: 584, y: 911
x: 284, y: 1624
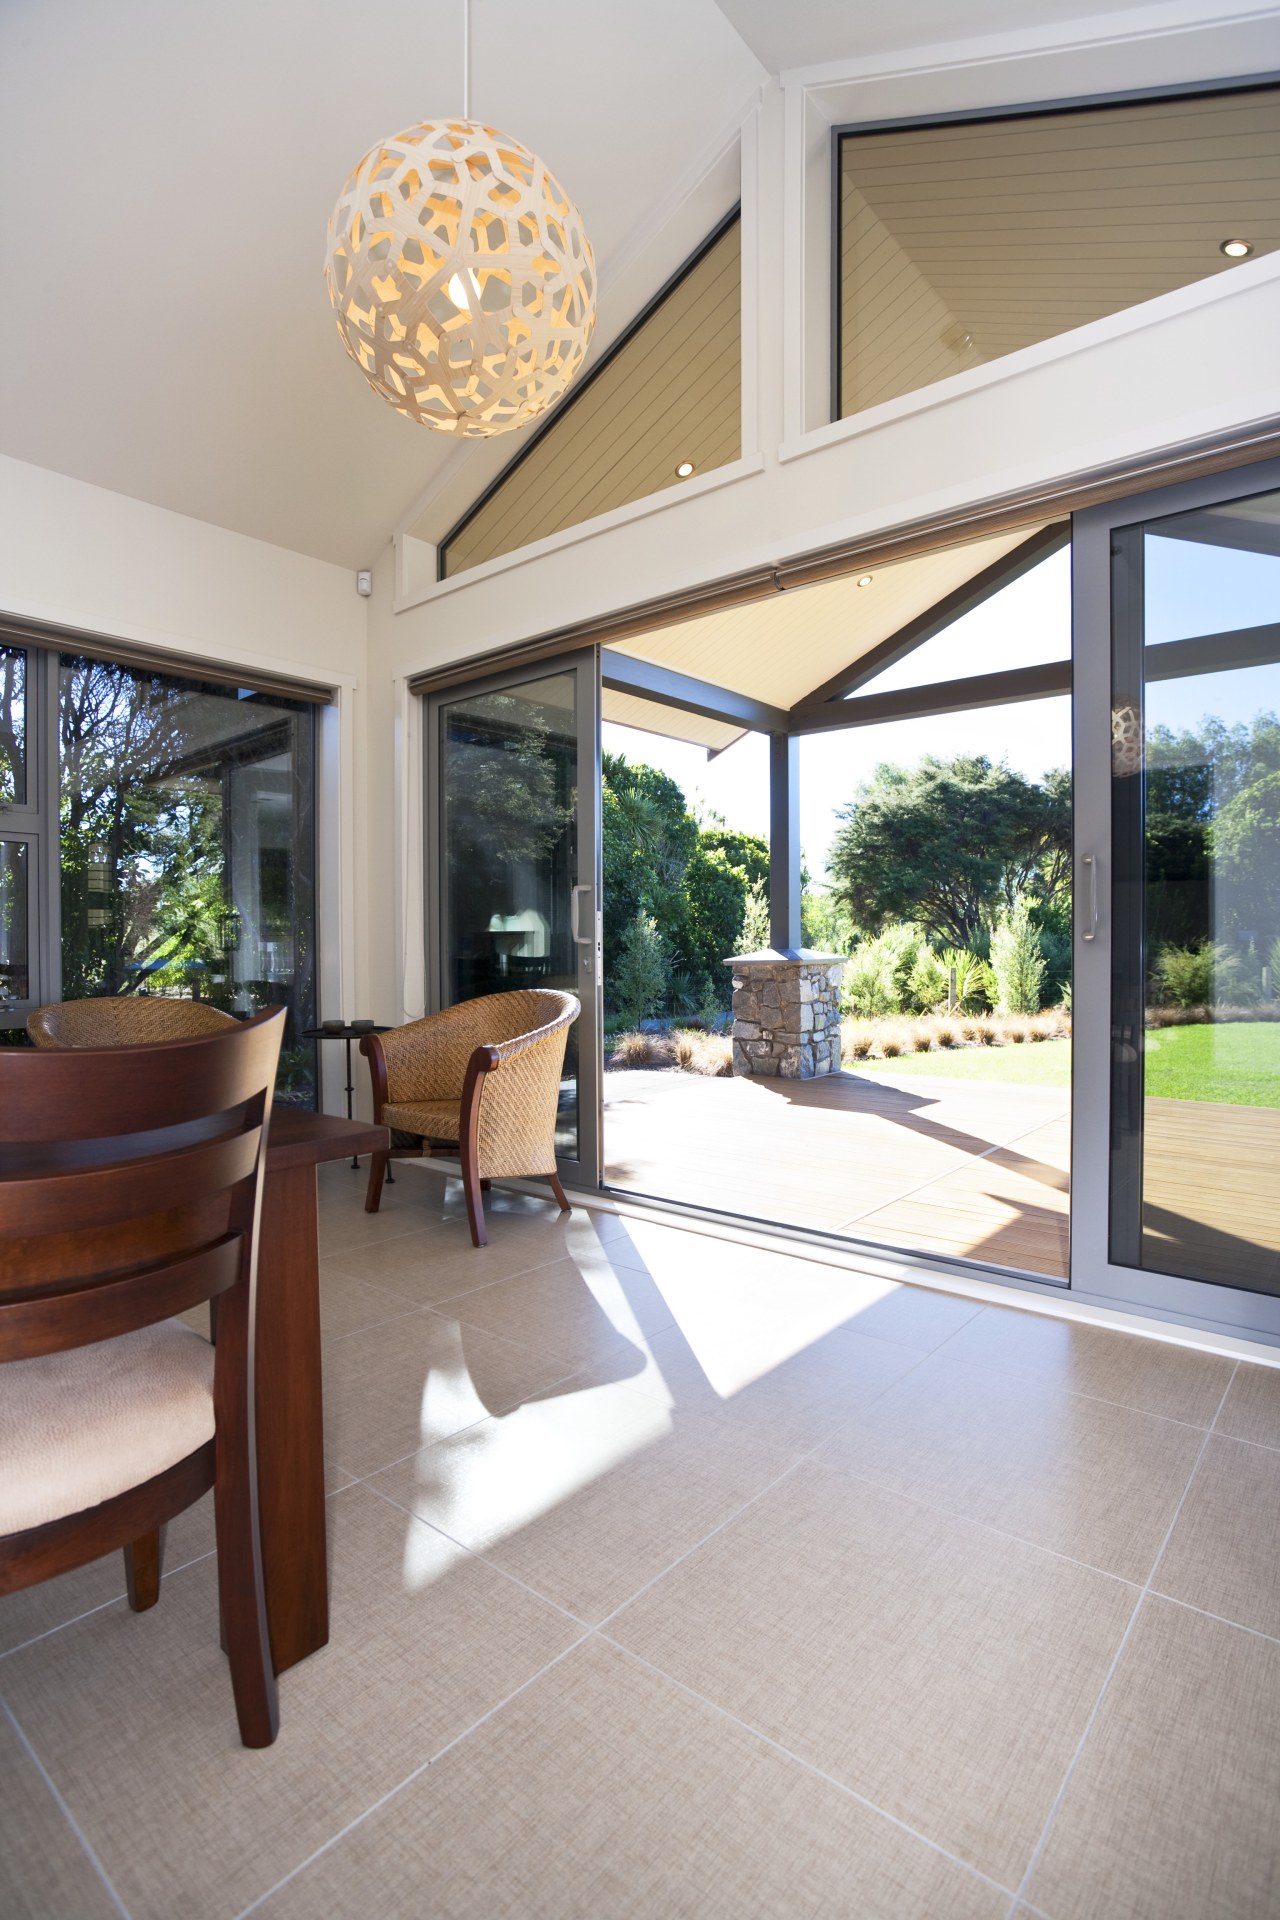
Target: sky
x: 1028, y: 622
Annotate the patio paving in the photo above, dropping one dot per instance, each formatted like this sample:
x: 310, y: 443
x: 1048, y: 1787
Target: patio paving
x: 959, y: 1168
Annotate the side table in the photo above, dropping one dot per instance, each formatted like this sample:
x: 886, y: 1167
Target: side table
x: 349, y: 1032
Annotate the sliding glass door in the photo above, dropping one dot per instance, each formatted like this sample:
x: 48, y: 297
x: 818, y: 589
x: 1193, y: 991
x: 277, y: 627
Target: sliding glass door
x: 1178, y: 902
x: 513, y: 785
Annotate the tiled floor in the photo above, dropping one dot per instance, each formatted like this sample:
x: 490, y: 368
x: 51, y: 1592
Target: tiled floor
x: 672, y: 1577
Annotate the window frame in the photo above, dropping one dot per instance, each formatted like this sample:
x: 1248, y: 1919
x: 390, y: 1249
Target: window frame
x: 581, y: 386
x: 1070, y: 103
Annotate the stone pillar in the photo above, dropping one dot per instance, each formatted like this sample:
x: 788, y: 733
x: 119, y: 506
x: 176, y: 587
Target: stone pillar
x: 786, y: 1013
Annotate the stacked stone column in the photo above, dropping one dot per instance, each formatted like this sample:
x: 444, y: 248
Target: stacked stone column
x: 786, y: 1013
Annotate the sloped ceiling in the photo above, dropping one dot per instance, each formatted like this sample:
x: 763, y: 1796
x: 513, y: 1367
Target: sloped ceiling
x: 807, y: 33
x: 168, y: 171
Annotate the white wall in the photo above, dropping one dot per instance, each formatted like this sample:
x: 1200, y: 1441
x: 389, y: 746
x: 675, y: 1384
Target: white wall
x: 81, y: 556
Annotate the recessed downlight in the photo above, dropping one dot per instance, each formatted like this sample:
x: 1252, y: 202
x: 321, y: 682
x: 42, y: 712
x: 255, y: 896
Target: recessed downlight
x: 865, y: 579
x: 1236, y: 249
x: 684, y: 469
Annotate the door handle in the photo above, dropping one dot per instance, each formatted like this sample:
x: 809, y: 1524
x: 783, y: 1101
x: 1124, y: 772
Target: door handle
x: 1089, y: 867
x: 575, y: 926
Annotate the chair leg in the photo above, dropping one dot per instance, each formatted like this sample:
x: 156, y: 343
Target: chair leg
x: 377, y: 1168
x: 142, y: 1571
x: 559, y: 1192
x: 471, y: 1186
x: 244, y: 1619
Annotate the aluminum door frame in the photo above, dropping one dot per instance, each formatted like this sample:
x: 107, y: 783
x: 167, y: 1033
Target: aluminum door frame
x: 584, y: 665
x: 1095, y: 1278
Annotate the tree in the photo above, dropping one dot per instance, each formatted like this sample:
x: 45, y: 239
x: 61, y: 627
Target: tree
x: 641, y: 971
x: 691, y: 881
x: 949, y: 845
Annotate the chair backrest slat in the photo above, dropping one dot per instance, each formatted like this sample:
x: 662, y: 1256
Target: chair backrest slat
x: 130, y: 1183
x: 51, y: 1323
x: 119, y: 1189
x: 57, y: 1096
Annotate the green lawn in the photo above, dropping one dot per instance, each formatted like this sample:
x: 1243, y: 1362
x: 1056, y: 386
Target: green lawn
x: 1232, y: 1065
x: 1039, y: 1063
x: 1235, y: 1065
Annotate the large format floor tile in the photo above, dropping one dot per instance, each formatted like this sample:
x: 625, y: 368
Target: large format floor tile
x: 1153, y: 1376
x: 605, y: 1792
x: 133, y: 1718
x: 44, y: 1870
x: 571, y: 1313
x: 1084, y: 1477
x: 941, y: 1670
x: 587, y: 1494
x: 747, y: 1376
x: 1252, y: 1407
x: 1224, y: 1554
x: 401, y: 1384
x: 1171, y: 1813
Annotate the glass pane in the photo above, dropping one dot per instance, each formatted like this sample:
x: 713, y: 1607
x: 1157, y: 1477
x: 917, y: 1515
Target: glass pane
x: 964, y: 241
x: 1213, y: 572
x: 13, y: 727
x: 187, y: 847
x: 14, y: 950
x: 510, y: 854
x: 1196, y: 1110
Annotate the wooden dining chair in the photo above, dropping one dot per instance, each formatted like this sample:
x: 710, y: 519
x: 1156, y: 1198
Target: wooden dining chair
x: 130, y: 1190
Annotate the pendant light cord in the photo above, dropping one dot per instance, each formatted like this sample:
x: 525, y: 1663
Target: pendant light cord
x: 466, y: 59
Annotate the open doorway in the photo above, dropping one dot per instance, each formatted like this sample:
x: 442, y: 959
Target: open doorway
x: 934, y: 828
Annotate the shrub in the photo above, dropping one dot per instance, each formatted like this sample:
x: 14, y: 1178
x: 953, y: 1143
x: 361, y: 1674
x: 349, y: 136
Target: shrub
x: 877, y: 975
x: 642, y: 1050
x: 640, y: 974
x: 971, y: 972
x: 1017, y: 962
x: 1202, y: 976
x: 755, y: 920
x: 927, y: 982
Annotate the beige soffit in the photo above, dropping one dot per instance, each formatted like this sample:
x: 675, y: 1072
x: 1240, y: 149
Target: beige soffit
x: 652, y: 716
x: 673, y: 392
x: 964, y: 242
x: 780, y: 649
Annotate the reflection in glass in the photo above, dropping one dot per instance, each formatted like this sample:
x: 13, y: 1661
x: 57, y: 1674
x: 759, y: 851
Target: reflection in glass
x: 14, y: 910
x: 13, y: 727
x: 509, y: 766
x: 1196, y: 977
x: 187, y: 863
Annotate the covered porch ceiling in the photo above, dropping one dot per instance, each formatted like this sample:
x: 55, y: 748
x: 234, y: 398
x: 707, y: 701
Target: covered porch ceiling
x: 788, y: 662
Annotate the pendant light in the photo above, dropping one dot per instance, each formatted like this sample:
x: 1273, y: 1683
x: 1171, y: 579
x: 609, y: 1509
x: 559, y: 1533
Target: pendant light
x: 460, y: 275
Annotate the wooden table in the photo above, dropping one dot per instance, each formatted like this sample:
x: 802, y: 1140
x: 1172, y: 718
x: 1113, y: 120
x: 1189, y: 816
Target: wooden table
x: 288, y: 1403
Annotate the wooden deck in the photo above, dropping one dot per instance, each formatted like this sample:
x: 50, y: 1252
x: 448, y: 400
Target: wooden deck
x: 957, y: 1168
x: 960, y: 1168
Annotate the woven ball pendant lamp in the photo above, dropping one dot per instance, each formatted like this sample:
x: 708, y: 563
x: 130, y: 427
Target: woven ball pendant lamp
x: 461, y: 278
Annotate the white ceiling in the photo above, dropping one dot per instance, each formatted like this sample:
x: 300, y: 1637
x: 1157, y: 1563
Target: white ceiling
x: 168, y: 169
x: 804, y: 33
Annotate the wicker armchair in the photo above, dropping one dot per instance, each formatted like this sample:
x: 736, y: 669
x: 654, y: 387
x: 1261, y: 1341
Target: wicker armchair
x: 123, y: 1021
x: 439, y: 1079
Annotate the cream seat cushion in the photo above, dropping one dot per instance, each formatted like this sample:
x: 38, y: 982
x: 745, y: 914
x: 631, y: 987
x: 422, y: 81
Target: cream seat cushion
x: 77, y: 1428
